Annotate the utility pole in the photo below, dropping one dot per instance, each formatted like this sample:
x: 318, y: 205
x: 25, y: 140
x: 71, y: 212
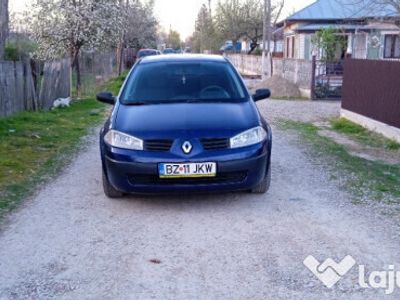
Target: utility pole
x: 121, y: 46
x: 266, y: 37
x: 169, y: 36
x: 269, y: 17
x: 264, y: 26
x: 209, y: 26
x: 269, y: 31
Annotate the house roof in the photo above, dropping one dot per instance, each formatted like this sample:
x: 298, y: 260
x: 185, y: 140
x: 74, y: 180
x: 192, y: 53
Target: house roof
x: 346, y: 27
x: 320, y: 26
x: 343, y: 9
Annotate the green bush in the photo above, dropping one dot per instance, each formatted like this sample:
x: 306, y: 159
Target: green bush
x: 11, y: 52
x: 258, y: 51
x: 19, y: 50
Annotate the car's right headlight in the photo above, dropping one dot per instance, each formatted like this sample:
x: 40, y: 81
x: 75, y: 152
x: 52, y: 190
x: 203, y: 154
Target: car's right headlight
x: 118, y: 139
x: 249, y: 137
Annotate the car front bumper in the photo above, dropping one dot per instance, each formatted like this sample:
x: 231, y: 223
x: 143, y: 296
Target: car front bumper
x: 143, y: 177
x: 137, y: 171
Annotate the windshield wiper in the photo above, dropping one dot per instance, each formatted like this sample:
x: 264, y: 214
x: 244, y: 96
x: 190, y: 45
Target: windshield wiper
x: 135, y: 103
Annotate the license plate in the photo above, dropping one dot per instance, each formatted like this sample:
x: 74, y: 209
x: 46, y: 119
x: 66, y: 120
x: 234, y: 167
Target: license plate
x: 207, y: 169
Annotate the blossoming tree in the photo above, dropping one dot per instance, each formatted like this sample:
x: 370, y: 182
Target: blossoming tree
x: 66, y: 27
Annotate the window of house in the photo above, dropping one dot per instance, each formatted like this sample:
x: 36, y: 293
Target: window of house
x: 392, y: 46
x: 279, y: 46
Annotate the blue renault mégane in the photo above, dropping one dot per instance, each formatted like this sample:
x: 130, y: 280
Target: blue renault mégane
x: 185, y: 123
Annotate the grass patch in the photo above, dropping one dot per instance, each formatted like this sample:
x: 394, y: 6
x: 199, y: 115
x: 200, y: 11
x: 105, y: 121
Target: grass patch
x: 34, y: 146
x: 114, y: 85
x: 365, y: 179
x: 90, y: 87
x: 363, y: 135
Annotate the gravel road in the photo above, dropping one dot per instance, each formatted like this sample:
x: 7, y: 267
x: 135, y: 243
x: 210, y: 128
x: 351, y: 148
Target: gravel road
x: 70, y: 241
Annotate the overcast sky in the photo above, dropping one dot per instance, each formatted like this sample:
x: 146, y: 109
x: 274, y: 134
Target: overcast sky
x: 179, y: 14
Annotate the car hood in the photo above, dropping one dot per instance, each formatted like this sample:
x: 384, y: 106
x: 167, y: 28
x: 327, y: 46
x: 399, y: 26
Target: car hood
x: 186, y: 119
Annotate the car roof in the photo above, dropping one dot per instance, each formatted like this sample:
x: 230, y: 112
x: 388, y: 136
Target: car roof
x: 147, y: 50
x: 184, y: 58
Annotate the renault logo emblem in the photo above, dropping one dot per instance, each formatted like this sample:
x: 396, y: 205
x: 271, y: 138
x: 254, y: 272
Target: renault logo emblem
x: 187, y: 147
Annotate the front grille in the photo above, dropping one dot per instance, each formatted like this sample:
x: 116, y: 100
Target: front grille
x: 157, y: 145
x: 215, y: 144
x: 227, y: 178
x: 165, y: 145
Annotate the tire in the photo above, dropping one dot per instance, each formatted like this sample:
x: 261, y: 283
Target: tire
x: 109, y: 190
x: 263, y: 186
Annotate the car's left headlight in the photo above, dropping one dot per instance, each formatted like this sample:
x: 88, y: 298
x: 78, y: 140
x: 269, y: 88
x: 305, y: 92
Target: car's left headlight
x: 249, y: 137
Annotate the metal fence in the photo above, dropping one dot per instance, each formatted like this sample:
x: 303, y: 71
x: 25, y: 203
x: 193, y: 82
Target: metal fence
x: 327, y: 79
x: 371, y: 88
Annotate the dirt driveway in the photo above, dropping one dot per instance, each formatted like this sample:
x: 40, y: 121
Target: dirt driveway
x: 71, y: 242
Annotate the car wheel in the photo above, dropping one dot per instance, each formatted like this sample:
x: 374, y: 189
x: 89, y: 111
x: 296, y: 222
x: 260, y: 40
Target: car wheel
x: 109, y: 190
x: 263, y: 186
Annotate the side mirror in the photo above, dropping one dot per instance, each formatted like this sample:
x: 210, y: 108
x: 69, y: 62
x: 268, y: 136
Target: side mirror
x: 261, y: 94
x: 106, y: 97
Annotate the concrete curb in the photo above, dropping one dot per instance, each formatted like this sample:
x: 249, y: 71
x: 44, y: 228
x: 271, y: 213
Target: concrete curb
x: 386, y: 130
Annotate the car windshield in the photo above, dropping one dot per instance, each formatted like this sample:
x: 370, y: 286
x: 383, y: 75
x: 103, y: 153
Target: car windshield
x: 163, y: 82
